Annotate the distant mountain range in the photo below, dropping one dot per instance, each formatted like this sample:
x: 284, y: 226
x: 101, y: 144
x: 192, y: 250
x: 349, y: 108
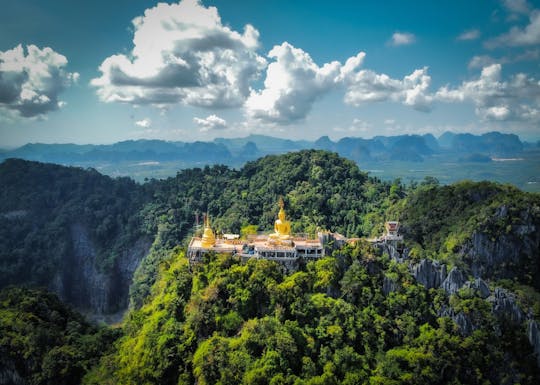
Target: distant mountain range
x: 415, y: 148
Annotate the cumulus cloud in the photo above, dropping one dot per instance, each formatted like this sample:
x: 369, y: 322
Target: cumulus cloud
x: 182, y: 54
x: 145, y: 123
x: 293, y: 83
x: 368, y: 86
x: 212, y: 122
x: 402, y: 38
x: 471, y: 34
x: 495, y: 99
x: 30, y: 83
x: 516, y: 6
x: 517, y: 37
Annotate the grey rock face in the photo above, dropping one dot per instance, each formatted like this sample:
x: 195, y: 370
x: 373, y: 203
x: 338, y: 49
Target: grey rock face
x: 502, y: 255
x: 429, y: 273
x: 465, y: 324
x: 454, y: 281
x: 389, y: 286
x: 81, y: 283
x: 10, y: 376
x: 479, y: 286
x: 504, y: 306
x: 533, y: 333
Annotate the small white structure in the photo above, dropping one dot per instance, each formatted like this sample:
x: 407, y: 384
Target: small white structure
x: 392, y: 232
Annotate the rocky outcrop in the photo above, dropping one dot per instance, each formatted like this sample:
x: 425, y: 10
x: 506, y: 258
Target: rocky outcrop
x: 389, y: 285
x: 533, y: 334
x: 90, y: 289
x: 506, y: 251
x: 463, y: 321
x: 454, y: 281
x: 429, y: 273
x: 479, y: 286
x: 9, y: 375
x: 504, y: 306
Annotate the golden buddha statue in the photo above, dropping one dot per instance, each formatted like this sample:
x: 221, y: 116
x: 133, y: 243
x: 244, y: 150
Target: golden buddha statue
x: 282, y: 227
x: 208, y: 238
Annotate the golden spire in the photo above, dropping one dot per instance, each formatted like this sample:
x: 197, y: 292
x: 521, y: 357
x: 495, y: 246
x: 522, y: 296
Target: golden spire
x: 208, y: 238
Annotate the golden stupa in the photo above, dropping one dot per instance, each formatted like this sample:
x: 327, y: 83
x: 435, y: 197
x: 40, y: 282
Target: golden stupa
x: 208, y: 238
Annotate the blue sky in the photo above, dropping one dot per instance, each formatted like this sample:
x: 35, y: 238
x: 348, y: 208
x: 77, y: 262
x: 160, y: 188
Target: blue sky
x: 105, y: 71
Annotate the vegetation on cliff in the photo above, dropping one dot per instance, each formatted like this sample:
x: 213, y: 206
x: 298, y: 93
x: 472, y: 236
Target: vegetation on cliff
x: 228, y: 322
x: 358, y: 316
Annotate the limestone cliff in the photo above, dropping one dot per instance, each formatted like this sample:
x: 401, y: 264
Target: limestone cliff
x: 508, y: 246
x: 82, y: 283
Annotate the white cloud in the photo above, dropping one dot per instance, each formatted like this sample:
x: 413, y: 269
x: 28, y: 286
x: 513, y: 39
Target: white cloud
x: 182, y: 54
x: 293, y: 83
x: 471, y: 34
x: 212, y: 122
x: 517, y: 6
x: 496, y: 99
x: 402, y: 38
x: 481, y: 61
x: 368, y: 86
x: 516, y: 37
x: 145, y: 123
x: 31, y: 83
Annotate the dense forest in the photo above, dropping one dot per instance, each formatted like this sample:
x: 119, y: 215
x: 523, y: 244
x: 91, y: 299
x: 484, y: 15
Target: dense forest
x: 459, y: 305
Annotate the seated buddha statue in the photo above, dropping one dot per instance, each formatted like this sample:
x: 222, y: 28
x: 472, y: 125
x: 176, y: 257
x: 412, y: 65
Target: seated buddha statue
x: 282, y: 227
x: 208, y: 238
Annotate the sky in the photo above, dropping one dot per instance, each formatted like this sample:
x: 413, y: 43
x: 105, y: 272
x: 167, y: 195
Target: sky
x: 106, y: 71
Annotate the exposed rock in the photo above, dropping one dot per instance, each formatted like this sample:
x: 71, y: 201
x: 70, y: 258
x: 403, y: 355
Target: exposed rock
x: 454, y: 281
x: 533, y: 333
x: 506, y: 252
x: 504, y: 306
x: 81, y: 283
x: 393, y: 253
x: 10, y: 375
x: 389, y: 285
x: 479, y: 286
x: 429, y: 273
x: 464, y: 322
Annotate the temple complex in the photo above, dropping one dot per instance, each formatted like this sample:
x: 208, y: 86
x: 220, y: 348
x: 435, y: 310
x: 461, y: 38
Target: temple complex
x: 280, y: 246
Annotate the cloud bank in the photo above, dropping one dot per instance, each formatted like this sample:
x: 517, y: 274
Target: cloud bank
x: 31, y: 81
x: 495, y: 99
x: 182, y: 54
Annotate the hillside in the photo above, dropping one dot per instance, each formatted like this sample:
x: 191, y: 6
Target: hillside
x: 82, y: 234
x: 73, y: 231
x: 459, y: 305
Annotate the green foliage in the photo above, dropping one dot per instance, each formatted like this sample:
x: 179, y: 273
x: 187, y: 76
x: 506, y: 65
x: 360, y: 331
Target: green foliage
x: 441, y: 221
x: 320, y: 189
x: 228, y: 322
x: 40, y: 204
x: 43, y: 342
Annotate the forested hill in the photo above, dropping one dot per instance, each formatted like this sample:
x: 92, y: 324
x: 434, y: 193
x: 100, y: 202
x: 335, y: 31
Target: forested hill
x: 460, y: 305
x: 82, y: 234
x: 74, y: 231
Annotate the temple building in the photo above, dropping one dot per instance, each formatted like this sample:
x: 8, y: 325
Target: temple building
x: 280, y: 246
